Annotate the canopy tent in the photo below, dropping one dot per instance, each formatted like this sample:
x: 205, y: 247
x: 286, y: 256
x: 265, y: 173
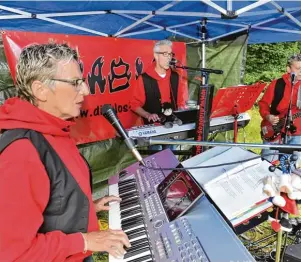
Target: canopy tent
x: 267, y: 21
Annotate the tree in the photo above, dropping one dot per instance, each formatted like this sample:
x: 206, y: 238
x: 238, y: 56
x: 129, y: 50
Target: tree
x: 266, y: 62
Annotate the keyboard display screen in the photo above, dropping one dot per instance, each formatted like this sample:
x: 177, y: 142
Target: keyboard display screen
x: 178, y: 191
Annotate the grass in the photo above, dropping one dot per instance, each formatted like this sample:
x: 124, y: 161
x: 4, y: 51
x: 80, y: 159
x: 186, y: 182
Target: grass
x: 249, y: 134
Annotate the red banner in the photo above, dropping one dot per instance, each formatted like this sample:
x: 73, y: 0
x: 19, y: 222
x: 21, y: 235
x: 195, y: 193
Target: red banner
x: 111, y: 66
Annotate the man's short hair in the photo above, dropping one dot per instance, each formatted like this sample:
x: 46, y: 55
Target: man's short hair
x: 294, y: 58
x: 39, y: 62
x: 160, y: 43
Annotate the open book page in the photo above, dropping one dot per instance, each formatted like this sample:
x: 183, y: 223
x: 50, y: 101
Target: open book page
x: 219, y: 156
x: 239, y: 191
x: 229, y: 170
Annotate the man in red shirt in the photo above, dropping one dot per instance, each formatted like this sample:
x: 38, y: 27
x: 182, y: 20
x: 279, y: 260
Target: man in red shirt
x: 159, y: 84
x: 274, y: 104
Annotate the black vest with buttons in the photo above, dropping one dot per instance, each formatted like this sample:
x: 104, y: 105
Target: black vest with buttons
x: 68, y: 207
x: 153, y: 103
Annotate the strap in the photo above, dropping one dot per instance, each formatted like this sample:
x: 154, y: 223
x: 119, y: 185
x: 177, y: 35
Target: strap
x: 278, y: 95
x: 174, y: 83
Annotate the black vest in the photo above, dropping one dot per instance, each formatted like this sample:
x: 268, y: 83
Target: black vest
x: 278, y: 95
x: 68, y: 207
x: 153, y: 103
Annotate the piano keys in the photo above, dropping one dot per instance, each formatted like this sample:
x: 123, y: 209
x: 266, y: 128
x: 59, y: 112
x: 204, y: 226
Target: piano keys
x: 128, y: 216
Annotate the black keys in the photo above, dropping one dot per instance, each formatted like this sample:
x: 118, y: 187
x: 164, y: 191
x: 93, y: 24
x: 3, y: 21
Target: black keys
x: 135, y: 252
x: 134, y: 231
x: 131, y: 212
x: 139, y: 241
x: 124, y: 212
x: 138, y: 234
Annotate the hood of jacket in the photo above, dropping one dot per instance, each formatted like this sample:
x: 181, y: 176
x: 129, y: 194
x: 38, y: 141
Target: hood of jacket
x: 152, y: 72
x: 17, y: 113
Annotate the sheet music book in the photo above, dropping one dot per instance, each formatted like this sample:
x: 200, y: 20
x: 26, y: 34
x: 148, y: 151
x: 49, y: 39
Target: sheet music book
x: 237, y: 189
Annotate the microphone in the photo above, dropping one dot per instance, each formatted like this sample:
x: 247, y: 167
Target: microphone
x: 109, y: 113
x: 293, y: 77
x: 173, y: 62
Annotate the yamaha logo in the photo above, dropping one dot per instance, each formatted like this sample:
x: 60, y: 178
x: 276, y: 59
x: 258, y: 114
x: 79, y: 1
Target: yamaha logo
x: 147, y: 132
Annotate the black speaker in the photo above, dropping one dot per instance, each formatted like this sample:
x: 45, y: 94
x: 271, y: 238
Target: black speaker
x: 292, y: 253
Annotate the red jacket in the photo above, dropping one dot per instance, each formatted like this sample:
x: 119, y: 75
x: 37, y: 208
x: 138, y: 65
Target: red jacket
x: 138, y: 99
x: 266, y: 101
x: 25, y: 188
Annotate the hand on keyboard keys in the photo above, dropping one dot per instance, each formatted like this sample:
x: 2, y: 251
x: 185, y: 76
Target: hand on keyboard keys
x: 100, y: 204
x: 111, y: 241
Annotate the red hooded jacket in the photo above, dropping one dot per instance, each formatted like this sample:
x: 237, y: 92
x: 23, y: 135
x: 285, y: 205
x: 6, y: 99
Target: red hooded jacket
x: 25, y: 188
x: 138, y: 99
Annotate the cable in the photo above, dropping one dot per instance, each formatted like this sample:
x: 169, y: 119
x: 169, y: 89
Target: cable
x: 217, y: 165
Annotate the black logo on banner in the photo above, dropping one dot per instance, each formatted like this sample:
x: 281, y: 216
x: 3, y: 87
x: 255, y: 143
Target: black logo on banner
x: 139, y: 67
x: 113, y: 75
x: 96, y: 76
x: 118, y: 71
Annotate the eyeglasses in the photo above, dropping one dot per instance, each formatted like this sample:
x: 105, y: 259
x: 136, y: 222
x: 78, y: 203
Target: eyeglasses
x: 77, y: 83
x: 166, y: 54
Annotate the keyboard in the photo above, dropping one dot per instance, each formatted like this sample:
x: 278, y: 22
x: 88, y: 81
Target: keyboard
x: 187, y: 130
x: 194, y: 237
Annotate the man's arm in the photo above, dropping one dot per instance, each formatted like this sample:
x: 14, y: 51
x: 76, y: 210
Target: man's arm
x: 266, y: 101
x: 182, y: 93
x: 265, y: 104
x: 150, y: 117
x: 138, y: 101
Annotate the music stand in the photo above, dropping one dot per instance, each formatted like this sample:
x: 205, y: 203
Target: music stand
x: 234, y: 101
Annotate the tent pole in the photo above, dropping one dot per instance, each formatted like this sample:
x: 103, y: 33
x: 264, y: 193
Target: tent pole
x: 203, y: 38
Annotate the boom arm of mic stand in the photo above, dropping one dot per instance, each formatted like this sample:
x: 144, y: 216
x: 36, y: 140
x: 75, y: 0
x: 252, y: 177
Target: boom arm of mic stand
x: 146, y: 141
x: 204, y: 70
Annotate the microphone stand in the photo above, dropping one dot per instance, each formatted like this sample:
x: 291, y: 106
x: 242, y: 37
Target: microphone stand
x: 203, y: 70
x: 289, y: 119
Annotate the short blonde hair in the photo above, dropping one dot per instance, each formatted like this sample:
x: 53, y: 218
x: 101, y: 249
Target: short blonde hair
x: 39, y: 62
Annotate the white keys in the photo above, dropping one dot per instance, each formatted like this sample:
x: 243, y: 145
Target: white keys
x: 137, y: 214
x: 114, y: 214
x: 133, y: 228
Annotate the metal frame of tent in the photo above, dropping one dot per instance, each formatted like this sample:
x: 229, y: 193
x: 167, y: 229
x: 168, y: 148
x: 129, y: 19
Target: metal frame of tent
x: 148, y: 14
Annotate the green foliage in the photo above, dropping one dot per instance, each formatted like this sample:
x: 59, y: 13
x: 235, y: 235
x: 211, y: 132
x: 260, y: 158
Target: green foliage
x: 266, y: 62
x: 249, y: 134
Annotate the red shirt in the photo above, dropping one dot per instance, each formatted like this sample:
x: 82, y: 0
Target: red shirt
x: 25, y: 188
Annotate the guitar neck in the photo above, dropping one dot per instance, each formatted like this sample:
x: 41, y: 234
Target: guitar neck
x: 282, y: 120
x: 297, y: 115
